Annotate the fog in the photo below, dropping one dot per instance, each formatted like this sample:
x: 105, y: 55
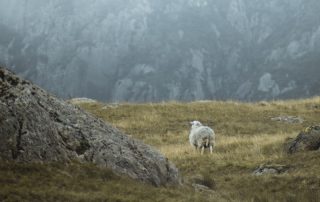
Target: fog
x: 155, y: 50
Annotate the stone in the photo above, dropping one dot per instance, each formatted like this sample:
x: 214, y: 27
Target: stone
x: 288, y: 119
x: 35, y: 126
x: 200, y: 182
x: 201, y: 188
x: 307, y: 140
x: 270, y: 169
x: 82, y: 100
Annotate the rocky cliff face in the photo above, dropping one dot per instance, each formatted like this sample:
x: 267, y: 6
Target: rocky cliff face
x: 37, y: 127
x: 156, y: 50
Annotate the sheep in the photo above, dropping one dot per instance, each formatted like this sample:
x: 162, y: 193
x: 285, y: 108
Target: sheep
x: 201, y: 136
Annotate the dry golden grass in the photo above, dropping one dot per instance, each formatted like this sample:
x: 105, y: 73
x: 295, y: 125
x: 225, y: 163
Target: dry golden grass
x: 232, y: 149
x: 246, y: 137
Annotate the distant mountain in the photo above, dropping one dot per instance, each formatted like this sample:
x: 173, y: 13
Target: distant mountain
x: 153, y: 50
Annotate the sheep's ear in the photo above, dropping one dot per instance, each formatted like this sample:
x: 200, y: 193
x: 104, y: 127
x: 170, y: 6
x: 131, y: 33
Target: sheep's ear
x: 191, y: 122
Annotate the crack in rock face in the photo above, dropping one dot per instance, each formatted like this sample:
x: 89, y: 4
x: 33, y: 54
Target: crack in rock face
x: 38, y: 127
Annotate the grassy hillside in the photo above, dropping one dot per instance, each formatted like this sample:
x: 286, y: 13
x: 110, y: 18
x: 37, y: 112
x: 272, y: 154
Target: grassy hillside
x: 246, y: 138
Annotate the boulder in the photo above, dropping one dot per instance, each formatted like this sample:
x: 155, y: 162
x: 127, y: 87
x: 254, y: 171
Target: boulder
x: 307, y: 140
x: 35, y: 126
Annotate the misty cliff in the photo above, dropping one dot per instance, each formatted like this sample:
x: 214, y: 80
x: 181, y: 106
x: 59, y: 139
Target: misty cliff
x: 153, y: 50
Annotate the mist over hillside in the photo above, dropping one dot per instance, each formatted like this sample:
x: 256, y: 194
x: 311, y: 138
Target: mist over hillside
x: 154, y: 50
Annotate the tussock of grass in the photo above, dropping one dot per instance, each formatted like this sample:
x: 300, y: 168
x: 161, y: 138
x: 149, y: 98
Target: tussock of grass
x: 246, y: 138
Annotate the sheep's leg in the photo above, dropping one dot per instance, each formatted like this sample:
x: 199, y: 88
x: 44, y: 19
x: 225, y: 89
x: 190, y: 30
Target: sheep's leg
x: 202, y: 150
x: 195, y: 148
x: 210, y: 149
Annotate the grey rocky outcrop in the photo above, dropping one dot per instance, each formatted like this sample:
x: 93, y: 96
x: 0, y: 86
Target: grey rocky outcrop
x: 270, y: 169
x: 307, y: 140
x: 38, y: 127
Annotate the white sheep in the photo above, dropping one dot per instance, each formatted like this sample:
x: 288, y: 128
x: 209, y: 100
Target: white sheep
x: 201, y: 136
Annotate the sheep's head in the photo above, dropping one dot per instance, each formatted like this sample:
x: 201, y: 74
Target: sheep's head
x: 195, y: 124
